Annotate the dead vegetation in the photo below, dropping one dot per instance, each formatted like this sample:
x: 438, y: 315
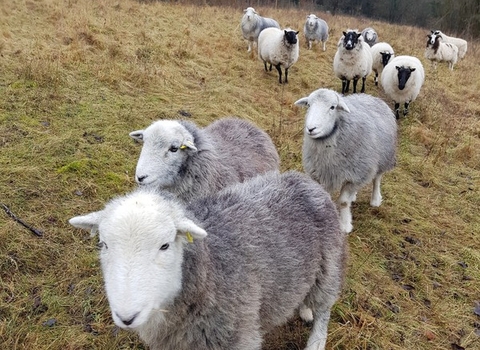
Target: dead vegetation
x: 77, y: 76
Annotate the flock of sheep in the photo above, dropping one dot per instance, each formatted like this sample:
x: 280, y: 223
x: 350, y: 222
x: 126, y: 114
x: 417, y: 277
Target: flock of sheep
x: 216, y: 246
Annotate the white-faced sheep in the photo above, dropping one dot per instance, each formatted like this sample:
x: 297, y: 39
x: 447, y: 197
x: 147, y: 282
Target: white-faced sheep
x: 223, y: 271
x: 402, y: 80
x: 460, y: 43
x: 438, y: 51
x: 382, y: 53
x: 348, y: 143
x: 278, y: 48
x: 190, y: 161
x: 315, y: 29
x: 353, y: 60
x: 252, y: 24
x: 370, y: 36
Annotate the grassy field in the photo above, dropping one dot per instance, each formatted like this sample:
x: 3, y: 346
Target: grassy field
x: 77, y: 76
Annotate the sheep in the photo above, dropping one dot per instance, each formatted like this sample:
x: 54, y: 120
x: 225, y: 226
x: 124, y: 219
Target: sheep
x: 382, y: 53
x: 402, y: 80
x: 370, y: 36
x: 273, y: 246
x: 252, y: 24
x: 315, y: 29
x: 437, y: 51
x: 190, y: 161
x: 353, y: 60
x: 278, y: 48
x: 460, y: 43
x: 348, y: 142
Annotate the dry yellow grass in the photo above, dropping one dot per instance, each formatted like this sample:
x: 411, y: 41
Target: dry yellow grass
x: 77, y: 76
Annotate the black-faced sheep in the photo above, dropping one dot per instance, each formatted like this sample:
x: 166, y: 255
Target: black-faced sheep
x: 252, y: 24
x: 438, y: 51
x: 315, y: 29
x: 370, y: 36
x: 382, y: 53
x: 223, y: 271
x: 402, y: 80
x: 353, y: 60
x: 348, y: 143
x: 278, y: 48
x: 190, y: 161
x: 460, y: 43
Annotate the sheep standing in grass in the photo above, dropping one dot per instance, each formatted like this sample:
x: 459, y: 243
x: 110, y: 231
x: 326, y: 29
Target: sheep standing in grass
x: 278, y: 48
x: 402, y: 80
x: 370, y: 36
x: 460, y: 43
x: 438, y: 51
x: 315, y: 29
x: 348, y: 143
x: 352, y: 61
x: 223, y: 271
x: 382, y: 53
x: 252, y: 24
x: 189, y: 161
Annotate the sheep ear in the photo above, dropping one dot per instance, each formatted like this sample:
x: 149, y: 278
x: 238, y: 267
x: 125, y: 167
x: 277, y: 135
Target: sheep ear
x: 344, y: 33
x: 88, y: 222
x: 398, y: 68
x: 137, y: 135
x: 297, y: 32
x: 303, y: 102
x: 188, y: 144
x: 412, y: 69
x: 190, y: 230
x: 342, y: 106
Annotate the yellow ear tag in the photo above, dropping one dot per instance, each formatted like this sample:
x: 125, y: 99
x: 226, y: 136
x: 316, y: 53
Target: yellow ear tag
x: 189, y: 237
x: 183, y: 147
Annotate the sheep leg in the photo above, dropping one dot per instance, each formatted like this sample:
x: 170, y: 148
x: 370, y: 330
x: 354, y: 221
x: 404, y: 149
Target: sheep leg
x: 405, y: 110
x: 279, y: 73
x: 363, y: 84
x: 347, y: 195
x: 324, y: 47
x: 306, y: 314
x: 376, y: 79
x: 397, y: 107
x: 345, y: 86
x: 355, y: 81
x: 265, y: 64
x: 286, y: 75
x: 376, y: 199
x: 318, y: 336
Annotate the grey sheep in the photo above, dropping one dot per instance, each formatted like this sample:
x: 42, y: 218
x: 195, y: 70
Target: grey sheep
x: 252, y: 24
x: 315, y: 28
x: 223, y: 271
x: 190, y: 161
x: 370, y: 36
x: 348, y: 143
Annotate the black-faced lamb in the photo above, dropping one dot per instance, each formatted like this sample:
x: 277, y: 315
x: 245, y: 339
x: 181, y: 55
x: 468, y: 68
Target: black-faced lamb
x: 224, y: 270
x: 190, y: 161
x: 252, y: 24
x: 370, y: 36
x: 438, y: 51
x: 353, y: 60
x: 315, y: 29
x: 348, y: 143
x: 278, y: 48
x: 382, y: 53
x: 460, y: 43
x: 402, y: 80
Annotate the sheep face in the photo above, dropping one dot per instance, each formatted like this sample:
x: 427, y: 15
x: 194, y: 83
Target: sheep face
x: 350, y: 39
x: 141, y: 240
x: 312, y: 21
x: 249, y: 13
x: 290, y: 37
x: 166, y: 146
x: 403, y: 76
x: 321, y: 120
x: 385, y: 57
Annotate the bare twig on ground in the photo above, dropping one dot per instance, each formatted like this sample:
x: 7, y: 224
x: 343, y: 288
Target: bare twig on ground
x: 35, y: 231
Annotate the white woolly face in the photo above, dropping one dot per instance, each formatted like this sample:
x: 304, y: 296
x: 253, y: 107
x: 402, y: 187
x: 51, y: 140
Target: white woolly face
x: 249, y: 13
x: 311, y: 20
x: 166, y: 144
x: 322, y: 115
x: 141, y: 254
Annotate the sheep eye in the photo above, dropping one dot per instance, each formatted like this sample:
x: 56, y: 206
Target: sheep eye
x: 173, y: 149
x: 165, y: 246
x: 101, y: 245
x: 332, y: 108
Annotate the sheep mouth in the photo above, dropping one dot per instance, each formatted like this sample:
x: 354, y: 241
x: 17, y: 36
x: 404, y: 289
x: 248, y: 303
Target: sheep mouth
x: 321, y: 137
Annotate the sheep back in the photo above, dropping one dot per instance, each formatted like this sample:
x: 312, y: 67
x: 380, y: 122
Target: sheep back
x: 362, y: 146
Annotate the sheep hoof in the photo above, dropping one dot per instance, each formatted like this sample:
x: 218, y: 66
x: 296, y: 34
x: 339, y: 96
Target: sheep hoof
x: 346, y: 227
x: 306, y: 314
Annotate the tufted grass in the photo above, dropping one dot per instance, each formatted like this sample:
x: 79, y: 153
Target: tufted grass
x: 77, y: 76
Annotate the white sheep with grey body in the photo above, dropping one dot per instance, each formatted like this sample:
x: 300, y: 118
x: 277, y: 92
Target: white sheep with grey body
x: 353, y: 60
x: 439, y: 51
x: 382, y: 53
x: 279, y: 48
x: 348, y: 143
x: 190, y: 161
x: 458, y: 42
x: 252, y: 24
x: 402, y: 79
x: 212, y: 276
x: 370, y: 36
x: 315, y: 29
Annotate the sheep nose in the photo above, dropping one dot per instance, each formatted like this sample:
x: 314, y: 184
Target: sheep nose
x: 310, y: 130
x: 140, y: 178
x: 128, y: 322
